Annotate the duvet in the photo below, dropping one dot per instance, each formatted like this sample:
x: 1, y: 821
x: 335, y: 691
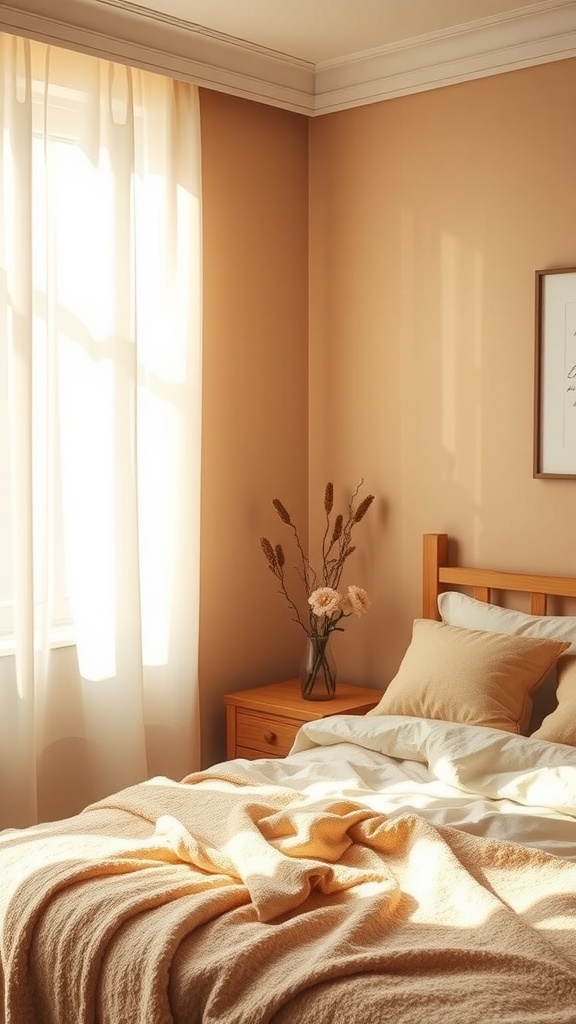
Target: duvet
x: 388, y: 869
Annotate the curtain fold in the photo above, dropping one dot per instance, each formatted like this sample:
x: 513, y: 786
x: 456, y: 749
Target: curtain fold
x: 100, y: 407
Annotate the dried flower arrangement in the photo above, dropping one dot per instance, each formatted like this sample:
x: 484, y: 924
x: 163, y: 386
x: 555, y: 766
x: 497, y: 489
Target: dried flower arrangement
x: 327, y: 606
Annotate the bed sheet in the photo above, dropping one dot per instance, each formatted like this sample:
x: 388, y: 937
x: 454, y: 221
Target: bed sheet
x: 483, y: 781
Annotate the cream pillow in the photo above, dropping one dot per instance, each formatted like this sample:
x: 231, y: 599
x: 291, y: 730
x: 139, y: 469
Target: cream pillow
x: 462, y: 610
x: 469, y: 676
x: 560, y: 726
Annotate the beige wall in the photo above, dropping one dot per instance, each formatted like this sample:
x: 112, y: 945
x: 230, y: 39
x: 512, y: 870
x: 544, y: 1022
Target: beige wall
x: 255, y: 417
x: 429, y: 215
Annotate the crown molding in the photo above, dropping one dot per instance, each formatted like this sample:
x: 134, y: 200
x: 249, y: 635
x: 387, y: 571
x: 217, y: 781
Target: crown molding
x: 533, y: 35
x: 123, y: 31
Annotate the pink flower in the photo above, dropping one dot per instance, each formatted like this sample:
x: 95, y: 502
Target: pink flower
x: 356, y: 600
x: 324, y: 601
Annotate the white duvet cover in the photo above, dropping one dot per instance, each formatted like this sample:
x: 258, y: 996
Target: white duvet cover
x: 483, y: 781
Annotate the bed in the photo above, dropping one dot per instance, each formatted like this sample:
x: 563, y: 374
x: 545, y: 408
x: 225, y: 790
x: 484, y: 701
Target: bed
x: 416, y: 864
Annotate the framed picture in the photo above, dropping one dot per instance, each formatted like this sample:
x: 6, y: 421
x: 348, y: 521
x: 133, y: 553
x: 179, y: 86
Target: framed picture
x: 555, y: 374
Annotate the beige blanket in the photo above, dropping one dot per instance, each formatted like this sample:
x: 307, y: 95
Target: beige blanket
x: 217, y: 901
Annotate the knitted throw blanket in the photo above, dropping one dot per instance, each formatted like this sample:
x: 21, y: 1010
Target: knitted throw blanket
x: 219, y: 901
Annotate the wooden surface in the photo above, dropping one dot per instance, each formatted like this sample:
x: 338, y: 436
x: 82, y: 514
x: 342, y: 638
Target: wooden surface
x: 483, y: 584
x: 263, y: 722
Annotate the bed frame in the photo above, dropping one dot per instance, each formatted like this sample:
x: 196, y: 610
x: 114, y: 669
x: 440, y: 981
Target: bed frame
x: 484, y: 584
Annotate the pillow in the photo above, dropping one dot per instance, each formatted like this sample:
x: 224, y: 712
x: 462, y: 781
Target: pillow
x: 469, y: 676
x: 560, y: 726
x: 461, y: 610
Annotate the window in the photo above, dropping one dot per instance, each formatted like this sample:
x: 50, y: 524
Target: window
x: 99, y: 365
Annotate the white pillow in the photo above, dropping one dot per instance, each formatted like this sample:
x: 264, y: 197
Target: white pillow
x: 461, y: 610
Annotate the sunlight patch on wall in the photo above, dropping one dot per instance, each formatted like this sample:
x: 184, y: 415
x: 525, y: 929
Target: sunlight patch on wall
x: 449, y: 251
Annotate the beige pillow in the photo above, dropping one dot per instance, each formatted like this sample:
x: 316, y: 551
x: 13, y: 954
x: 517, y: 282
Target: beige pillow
x: 469, y: 676
x: 462, y: 610
x: 560, y: 726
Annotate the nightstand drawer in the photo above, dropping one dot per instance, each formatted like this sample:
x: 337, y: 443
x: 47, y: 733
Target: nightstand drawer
x: 271, y: 736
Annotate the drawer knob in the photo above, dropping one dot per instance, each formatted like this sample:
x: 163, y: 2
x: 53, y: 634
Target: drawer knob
x: 270, y: 737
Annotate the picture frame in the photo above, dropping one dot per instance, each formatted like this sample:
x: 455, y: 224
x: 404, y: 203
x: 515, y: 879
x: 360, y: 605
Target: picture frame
x: 555, y: 374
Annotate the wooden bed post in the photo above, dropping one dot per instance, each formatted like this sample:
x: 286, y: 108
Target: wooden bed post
x: 434, y: 555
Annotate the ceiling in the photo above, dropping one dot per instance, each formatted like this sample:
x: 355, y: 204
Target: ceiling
x: 327, y: 30
x: 310, y: 56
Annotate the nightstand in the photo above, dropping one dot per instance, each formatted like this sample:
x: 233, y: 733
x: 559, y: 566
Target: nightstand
x: 263, y: 722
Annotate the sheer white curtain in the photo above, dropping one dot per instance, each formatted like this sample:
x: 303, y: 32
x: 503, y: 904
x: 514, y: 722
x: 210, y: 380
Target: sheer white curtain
x: 100, y: 364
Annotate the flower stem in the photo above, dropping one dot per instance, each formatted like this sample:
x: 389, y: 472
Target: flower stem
x: 318, y: 668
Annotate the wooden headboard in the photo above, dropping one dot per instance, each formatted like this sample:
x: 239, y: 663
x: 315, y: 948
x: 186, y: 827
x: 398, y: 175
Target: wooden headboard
x: 484, y: 584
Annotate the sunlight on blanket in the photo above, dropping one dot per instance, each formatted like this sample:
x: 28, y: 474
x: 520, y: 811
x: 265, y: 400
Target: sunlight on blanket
x: 428, y: 860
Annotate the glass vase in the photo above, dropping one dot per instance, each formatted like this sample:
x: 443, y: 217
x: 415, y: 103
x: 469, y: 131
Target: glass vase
x: 318, y: 670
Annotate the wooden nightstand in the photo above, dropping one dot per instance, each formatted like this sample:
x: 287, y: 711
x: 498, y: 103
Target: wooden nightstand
x: 263, y: 722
